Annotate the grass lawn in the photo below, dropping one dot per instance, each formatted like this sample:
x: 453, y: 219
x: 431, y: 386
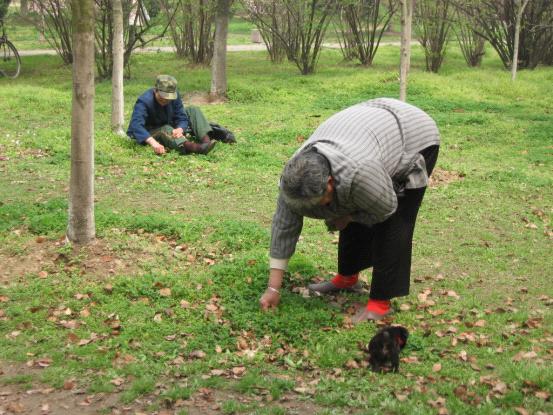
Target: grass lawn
x: 162, y: 311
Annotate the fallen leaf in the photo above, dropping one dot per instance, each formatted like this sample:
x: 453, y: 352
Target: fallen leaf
x: 197, y: 354
x: 16, y: 407
x: 238, y: 371
x: 401, y: 396
x: 521, y: 411
x: 117, y: 381
x: 451, y: 293
x: 438, y: 403
x: 352, y: 364
x: 500, y: 387
x: 463, y: 355
x: 44, y: 362
x: 42, y: 275
x: 68, y: 384
x: 543, y: 395
x: 165, y: 292
x: 184, y: 304
x: 436, y: 367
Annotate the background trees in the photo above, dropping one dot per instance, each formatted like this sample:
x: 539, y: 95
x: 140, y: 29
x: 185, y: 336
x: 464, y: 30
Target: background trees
x: 433, y: 22
x: 54, y: 22
x: 4, y: 7
x: 192, y: 28
x: 361, y: 26
x: 301, y: 29
x: 496, y: 22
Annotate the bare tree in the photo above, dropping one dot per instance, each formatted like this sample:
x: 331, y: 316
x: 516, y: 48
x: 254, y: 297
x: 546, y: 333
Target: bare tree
x: 407, y: 7
x: 219, y: 62
x: 361, y: 26
x: 54, y: 23
x: 470, y: 43
x: 192, y: 28
x: 520, y: 11
x: 81, y: 226
x: 433, y: 24
x: 24, y: 7
x: 270, y: 17
x: 495, y: 21
x: 117, y: 98
x: 302, y: 35
x: 55, y: 26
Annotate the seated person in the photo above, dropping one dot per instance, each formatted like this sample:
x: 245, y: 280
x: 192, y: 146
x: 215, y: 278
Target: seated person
x: 160, y: 120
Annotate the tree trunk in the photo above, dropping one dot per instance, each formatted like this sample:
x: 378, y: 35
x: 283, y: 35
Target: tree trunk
x: 405, y: 58
x: 117, y: 98
x: 81, y: 227
x: 24, y: 8
x: 514, y: 63
x: 219, y: 62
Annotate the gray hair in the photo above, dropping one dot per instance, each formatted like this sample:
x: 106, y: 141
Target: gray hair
x: 304, y: 179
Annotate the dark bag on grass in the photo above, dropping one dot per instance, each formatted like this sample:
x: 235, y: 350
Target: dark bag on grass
x: 220, y: 133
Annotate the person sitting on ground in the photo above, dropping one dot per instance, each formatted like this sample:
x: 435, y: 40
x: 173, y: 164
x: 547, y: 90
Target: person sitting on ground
x: 160, y: 120
x: 365, y: 171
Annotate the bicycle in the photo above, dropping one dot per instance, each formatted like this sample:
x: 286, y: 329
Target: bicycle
x: 10, y: 62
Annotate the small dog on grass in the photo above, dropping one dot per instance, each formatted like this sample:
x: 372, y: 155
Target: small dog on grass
x: 384, y: 348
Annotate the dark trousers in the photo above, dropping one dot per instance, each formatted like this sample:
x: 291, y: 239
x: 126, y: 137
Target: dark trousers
x: 386, y: 246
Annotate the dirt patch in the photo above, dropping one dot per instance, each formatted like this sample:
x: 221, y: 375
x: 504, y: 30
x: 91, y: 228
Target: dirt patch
x: 441, y: 177
x: 31, y: 397
x: 202, y: 98
x: 43, y: 257
x: 39, y: 399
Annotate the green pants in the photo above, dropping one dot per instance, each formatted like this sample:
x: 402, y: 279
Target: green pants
x: 199, y: 128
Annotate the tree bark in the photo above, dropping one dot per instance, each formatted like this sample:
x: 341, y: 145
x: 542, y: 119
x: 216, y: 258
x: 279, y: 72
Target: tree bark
x: 24, y: 8
x: 117, y: 97
x: 219, y: 61
x: 405, y: 58
x: 520, y: 12
x: 81, y: 226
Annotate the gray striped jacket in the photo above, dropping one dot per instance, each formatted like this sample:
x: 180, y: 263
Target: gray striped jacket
x: 372, y: 148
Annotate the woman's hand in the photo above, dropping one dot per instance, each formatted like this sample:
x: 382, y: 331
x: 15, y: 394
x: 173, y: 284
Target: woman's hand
x: 269, y: 299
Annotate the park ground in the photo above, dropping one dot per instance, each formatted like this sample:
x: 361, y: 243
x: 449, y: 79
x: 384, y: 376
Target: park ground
x: 160, y: 315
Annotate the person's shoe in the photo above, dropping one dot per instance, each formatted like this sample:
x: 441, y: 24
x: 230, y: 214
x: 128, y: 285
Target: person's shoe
x: 207, y: 147
x: 338, y: 283
x: 374, y: 310
x: 229, y: 138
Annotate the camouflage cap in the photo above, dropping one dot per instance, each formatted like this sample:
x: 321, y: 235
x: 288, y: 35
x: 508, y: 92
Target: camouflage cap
x: 166, y: 85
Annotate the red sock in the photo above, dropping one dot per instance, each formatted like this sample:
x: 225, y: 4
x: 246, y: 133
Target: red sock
x: 345, y: 281
x: 378, y: 306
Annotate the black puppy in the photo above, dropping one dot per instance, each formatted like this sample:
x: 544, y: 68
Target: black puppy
x: 384, y: 347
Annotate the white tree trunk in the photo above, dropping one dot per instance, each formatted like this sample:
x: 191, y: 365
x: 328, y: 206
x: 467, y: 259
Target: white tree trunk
x: 514, y: 63
x: 405, y: 58
x: 117, y: 97
x: 81, y: 226
x: 219, y: 61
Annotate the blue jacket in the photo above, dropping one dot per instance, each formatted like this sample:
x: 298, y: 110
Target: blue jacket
x: 149, y: 115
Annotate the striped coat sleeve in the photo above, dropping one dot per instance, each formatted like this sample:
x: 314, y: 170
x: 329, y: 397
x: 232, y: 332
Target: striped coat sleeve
x: 285, y: 232
x: 372, y: 192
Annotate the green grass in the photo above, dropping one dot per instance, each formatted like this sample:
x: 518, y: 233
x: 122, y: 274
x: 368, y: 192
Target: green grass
x: 473, y: 232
